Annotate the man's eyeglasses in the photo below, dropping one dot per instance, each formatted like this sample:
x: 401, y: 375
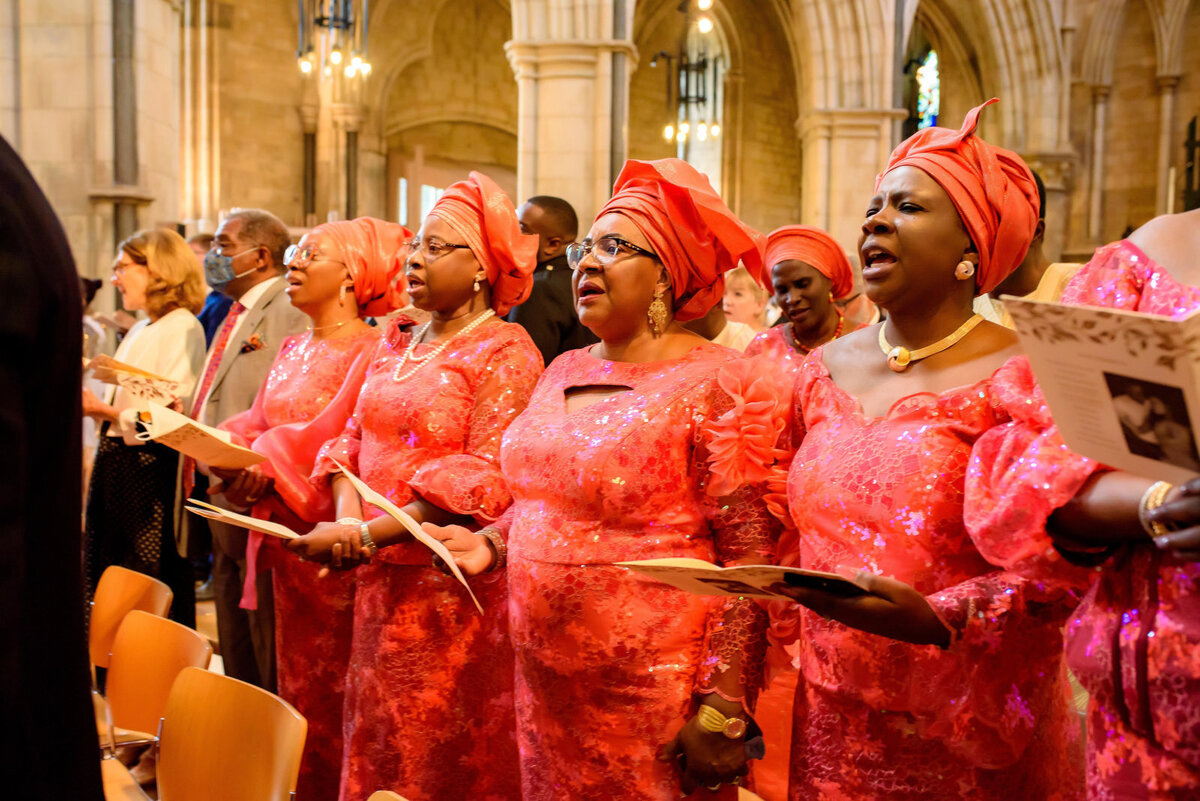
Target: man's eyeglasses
x: 434, y: 248
x: 605, y: 251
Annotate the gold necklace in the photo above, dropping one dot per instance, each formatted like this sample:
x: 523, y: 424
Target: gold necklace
x: 899, y: 358
x: 333, y: 327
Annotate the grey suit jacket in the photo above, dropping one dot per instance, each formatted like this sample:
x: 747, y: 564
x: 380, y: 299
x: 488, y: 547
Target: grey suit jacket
x: 243, y: 370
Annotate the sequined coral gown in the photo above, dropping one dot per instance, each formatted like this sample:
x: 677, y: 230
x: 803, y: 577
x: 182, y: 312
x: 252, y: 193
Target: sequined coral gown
x: 988, y: 718
x: 607, y: 661
x: 307, y: 397
x: 429, y: 702
x: 1134, y: 643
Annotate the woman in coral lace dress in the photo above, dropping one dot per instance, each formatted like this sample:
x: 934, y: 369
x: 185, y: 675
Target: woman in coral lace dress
x: 340, y: 273
x: 631, y: 449
x: 809, y: 271
x: 1134, y: 643
x: 924, y: 452
x: 429, y: 703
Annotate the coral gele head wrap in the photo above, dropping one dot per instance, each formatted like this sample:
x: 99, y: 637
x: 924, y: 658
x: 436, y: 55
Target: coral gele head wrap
x: 479, y: 211
x: 992, y: 188
x: 816, y: 248
x: 374, y: 252
x: 691, y: 230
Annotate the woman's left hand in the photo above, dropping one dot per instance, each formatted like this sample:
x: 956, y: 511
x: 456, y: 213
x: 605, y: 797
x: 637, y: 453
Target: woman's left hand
x: 243, y: 488
x: 336, y: 545
x: 891, y: 609
x: 1180, y: 511
x: 705, y: 758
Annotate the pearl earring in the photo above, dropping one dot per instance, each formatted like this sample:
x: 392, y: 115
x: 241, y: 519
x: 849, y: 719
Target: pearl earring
x: 964, y: 271
x: 476, y: 284
x: 342, y: 295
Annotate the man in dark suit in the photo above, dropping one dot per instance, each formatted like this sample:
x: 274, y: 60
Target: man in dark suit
x: 48, y: 732
x: 245, y: 263
x: 549, y: 313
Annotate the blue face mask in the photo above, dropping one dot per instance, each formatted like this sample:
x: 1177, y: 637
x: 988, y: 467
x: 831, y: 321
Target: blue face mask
x: 218, y: 269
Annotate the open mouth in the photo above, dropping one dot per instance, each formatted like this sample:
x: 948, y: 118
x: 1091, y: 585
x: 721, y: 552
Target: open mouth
x: 415, y: 283
x: 876, y: 256
x: 589, y: 289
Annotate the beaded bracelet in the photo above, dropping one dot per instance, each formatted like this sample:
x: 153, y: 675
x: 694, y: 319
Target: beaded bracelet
x: 493, y: 536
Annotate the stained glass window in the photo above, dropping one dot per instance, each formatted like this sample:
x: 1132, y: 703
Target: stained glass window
x: 929, y: 91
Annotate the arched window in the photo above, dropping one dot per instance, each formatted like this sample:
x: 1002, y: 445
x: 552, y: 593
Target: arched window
x: 929, y: 91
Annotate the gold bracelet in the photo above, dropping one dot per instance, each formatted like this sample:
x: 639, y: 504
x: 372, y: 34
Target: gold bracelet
x: 1153, y: 498
x: 493, y: 536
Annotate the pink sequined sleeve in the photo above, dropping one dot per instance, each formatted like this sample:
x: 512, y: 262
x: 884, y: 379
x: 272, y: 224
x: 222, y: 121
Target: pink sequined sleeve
x: 344, y: 448
x: 735, y: 450
x: 1021, y: 472
x: 470, y: 483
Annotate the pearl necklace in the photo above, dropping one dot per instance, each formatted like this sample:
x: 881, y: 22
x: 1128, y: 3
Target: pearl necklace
x: 419, y: 361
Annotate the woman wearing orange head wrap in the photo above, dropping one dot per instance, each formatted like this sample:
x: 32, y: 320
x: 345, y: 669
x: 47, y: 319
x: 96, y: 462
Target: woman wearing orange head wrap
x: 638, y: 447
x: 809, y: 271
x: 338, y: 274
x: 926, y: 454
x: 429, y: 704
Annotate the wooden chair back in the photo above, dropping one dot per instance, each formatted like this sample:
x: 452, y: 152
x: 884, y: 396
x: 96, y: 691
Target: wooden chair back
x: 386, y: 795
x: 119, y: 591
x: 224, y: 738
x: 147, y: 655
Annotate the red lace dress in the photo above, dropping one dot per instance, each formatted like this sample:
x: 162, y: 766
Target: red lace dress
x: 915, y: 494
x: 607, y: 661
x: 1134, y: 643
x: 429, y: 704
x: 307, y: 397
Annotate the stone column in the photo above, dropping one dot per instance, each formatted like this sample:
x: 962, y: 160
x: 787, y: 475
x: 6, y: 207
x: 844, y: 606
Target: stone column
x: 1056, y: 170
x: 1099, y: 135
x: 1167, y: 86
x: 199, y: 120
x: 308, y: 121
x: 565, y: 140
x: 844, y: 149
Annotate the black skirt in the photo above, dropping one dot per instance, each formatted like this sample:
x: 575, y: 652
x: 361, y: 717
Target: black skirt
x: 130, y: 519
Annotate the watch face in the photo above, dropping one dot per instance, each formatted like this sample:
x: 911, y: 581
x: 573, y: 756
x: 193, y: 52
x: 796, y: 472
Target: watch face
x: 735, y: 728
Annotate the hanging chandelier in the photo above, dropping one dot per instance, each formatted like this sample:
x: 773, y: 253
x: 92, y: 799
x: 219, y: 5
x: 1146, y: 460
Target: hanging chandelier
x: 333, y: 36
x: 692, y: 80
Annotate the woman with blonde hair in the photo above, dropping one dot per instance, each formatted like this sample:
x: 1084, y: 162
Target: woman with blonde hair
x: 132, y: 489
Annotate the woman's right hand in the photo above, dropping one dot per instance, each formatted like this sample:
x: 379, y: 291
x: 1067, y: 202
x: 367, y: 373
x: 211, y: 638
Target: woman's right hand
x: 96, y: 408
x: 336, y: 545
x: 471, y: 551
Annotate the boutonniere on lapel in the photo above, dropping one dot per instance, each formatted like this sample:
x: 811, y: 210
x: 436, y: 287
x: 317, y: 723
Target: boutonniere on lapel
x: 254, y: 343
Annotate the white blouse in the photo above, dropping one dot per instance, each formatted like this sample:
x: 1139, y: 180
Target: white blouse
x: 172, y: 347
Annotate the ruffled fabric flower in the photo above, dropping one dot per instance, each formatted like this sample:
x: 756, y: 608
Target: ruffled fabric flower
x: 744, y: 443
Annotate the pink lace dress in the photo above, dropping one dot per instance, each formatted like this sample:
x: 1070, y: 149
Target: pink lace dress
x: 429, y: 703
x: 307, y: 397
x: 916, y: 494
x: 607, y: 661
x: 1134, y: 643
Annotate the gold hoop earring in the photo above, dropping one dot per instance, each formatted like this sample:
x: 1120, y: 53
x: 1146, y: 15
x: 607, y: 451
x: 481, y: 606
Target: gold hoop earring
x: 657, y: 313
x: 964, y: 271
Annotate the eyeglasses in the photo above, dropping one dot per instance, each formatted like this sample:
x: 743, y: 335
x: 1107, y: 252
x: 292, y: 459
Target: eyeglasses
x: 434, y: 248
x: 300, y: 259
x: 606, y: 250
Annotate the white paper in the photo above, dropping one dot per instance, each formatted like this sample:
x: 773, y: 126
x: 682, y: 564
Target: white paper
x: 1122, y: 386
x: 412, y: 526
x: 141, y: 384
x: 244, y: 521
x: 754, y: 581
x: 203, y: 443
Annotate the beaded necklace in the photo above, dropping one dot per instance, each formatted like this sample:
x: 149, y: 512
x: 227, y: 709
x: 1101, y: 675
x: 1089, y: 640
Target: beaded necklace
x: 800, y: 346
x: 419, y: 361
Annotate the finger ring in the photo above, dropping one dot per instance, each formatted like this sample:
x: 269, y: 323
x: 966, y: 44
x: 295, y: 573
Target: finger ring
x: 713, y: 788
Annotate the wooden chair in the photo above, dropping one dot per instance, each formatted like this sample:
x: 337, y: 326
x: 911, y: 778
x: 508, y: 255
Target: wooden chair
x: 119, y: 591
x: 147, y: 654
x: 224, y: 738
x: 386, y: 795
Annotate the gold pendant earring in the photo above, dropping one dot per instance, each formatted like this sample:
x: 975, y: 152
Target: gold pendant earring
x: 657, y: 313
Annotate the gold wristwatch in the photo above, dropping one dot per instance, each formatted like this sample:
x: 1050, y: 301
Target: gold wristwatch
x: 713, y: 720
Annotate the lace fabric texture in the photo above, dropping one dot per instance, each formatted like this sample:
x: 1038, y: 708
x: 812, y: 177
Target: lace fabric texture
x: 429, y: 702
x: 987, y: 718
x: 607, y: 662
x: 1134, y: 643
x: 309, y: 393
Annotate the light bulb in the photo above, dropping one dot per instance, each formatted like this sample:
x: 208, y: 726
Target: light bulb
x: 715, y: 130
x: 681, y: 136
x: 356, y: 62
x: 350, y: 70
x: 305, y: 66
x: 704, y: 5
x: 684, y: 128
x: 702, y: 131
x: 328, y: 71
x: 669, y: 132
x: 336, y: 56
x: 365, y: 69
x: 705, y: 25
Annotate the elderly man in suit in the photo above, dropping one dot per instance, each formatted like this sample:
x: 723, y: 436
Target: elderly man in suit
x: 245, y: 263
